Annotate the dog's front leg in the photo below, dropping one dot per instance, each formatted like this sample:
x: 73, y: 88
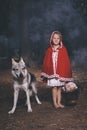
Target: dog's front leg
x: 28, y: 101
x: 16, y: 93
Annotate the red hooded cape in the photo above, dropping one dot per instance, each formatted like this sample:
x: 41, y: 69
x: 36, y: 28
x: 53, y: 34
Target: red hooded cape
x: 63, y: 71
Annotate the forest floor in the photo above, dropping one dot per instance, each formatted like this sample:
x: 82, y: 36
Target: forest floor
x: 44, y: 116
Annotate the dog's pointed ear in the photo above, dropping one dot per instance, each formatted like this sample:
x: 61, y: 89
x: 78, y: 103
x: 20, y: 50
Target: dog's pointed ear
x: 13, y: 61
x: 21, y: 59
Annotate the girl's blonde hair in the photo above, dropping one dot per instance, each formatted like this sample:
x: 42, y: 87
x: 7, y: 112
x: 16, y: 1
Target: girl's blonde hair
x: 55, y: 32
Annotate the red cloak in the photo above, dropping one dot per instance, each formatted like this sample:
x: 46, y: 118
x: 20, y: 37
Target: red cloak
x: 63, y: 71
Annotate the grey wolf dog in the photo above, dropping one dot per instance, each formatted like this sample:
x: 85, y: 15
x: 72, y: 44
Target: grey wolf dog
x: 23, y: 80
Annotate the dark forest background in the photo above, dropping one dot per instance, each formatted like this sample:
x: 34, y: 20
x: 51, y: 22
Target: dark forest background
x: 26, y: 26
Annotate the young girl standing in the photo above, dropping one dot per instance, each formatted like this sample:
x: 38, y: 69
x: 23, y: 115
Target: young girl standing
x: 56, y: 67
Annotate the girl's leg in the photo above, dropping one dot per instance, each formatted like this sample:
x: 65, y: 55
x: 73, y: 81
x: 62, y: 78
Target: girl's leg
x: 54, y: 96
x: 59, y: 98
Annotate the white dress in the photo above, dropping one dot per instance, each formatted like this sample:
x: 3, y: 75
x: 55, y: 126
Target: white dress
x: 54, y: 81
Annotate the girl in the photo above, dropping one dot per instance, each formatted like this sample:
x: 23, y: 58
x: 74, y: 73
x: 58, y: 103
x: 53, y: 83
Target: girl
x: 56, y: 67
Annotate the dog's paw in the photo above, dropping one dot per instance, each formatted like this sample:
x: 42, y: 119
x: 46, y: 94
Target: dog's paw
x: 11, y: 112
x: 39, y: 102
x: 29, y: 110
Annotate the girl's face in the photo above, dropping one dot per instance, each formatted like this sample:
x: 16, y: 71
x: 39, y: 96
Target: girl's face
x: 56, y: 39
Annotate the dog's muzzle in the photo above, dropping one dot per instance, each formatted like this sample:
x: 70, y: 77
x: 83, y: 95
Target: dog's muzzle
x: 21, y: 75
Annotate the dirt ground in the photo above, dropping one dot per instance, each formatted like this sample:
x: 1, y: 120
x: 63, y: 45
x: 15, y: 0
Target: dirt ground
x: 44, y: 116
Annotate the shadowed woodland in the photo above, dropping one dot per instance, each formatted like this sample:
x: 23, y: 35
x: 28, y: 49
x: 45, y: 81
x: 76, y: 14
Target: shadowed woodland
x: 25, y: 28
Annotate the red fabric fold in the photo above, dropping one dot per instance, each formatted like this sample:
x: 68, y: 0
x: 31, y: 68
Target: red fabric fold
x: 63, y: 70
